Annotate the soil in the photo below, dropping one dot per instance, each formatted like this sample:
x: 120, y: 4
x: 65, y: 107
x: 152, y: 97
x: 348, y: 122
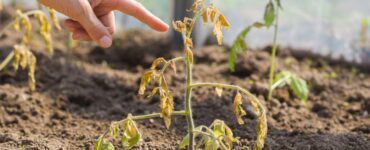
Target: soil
x: 80, y: 91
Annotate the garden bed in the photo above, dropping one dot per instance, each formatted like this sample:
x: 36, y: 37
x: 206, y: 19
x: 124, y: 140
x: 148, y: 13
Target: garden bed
x: 80, y: 91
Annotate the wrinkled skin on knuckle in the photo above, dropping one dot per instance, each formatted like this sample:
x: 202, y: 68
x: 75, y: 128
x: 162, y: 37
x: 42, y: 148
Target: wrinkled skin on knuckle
x: 80, y: 11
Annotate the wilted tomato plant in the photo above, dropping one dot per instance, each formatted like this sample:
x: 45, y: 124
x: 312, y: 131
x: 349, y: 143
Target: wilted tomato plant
x: 21, y: 54
x: 216, y: 136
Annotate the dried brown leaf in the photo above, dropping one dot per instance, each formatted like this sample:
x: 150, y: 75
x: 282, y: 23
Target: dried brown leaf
x: 219, y: 91
x: 238, y: 108
x: 157, y: 62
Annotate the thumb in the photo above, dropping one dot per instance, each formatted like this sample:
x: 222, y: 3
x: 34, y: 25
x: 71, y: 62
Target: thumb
x: 95, y: 28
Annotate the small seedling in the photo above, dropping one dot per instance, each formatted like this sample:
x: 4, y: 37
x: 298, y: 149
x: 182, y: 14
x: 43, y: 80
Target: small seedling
x: 296, y: 84
x: 21, y: 54
x: 216, y: 136
x: 271, y: 18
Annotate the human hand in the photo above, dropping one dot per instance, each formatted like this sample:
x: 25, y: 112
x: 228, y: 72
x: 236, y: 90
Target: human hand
x: 94, y: 19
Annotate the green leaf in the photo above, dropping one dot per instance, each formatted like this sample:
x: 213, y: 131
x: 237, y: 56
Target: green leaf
x: 269, y: 14
x: 185, y: 140
x: 131, y: 135
x: 107, y: 146
x: 100, y: 145
x: 237, y: 47
x: 299, y: 88
x: 130, y: 142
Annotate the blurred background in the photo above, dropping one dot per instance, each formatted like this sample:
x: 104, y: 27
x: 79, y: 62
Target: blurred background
x: 338, y: 28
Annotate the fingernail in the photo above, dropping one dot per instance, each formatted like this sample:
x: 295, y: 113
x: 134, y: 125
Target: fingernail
x: 105, y: 41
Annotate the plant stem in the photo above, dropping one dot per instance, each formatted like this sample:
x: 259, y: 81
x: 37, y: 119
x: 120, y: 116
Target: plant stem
x: 231, y: 87
x: 157, y: 115
x: 273, y: 56
x: 261, y: 113
x: 7, y: 60
x: 225, y: 86
x: 168, y: 63
x: 188, y: 109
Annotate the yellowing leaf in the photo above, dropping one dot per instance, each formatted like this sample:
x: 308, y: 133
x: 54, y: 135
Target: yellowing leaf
x: 154, y: 91
x: 189, y: 55
x: 238, y: 108
x: 223, y: 133
x: 45, y: 31
x: 131, y: 134
x: 114, y: 130
x: 217, y: 30
x: 179, y: 26
x: 54, y: 18
x: 157, y: 62
x: 28, y: 28
x: 223, y: 21
x: 189, y: 42
x: 31, y: 72
x: 147, y: 77
x: 218, y: 91
x: 213, y: 13
x: 205, y: 16
x: 166, y: 106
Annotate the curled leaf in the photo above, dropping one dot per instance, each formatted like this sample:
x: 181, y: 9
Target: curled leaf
x: 189, y: 42
x: 154, y: 91
x: 157, y: 62
x: 261, y: 128
x: 166, y: 106
x: 26, y: 23
x: 213, y: 13
x: 131, y: 134
x: 54, y: 18
x: 224, y: 23
x: 101, y: 145
x: 205, y: 16
x: 223, y: 133
x: 217, y: 30
x: 114, y: 130
x: 147, y: 77
x: 45, y: 31
x: 179, y: 26
x: 238, y: 108
x: 189, y: 55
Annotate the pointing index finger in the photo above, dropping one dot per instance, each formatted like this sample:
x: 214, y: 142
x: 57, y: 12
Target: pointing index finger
x: 135, y: 9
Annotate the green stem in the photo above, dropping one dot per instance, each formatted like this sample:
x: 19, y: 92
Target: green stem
x: 278, y: 83
x: 188, y: 109
x: 157, y: 115
x: 262, y: 121
x: 7, y: 60
x: 168, y: 63
x: 224, y: 86
x: 273, y: 56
